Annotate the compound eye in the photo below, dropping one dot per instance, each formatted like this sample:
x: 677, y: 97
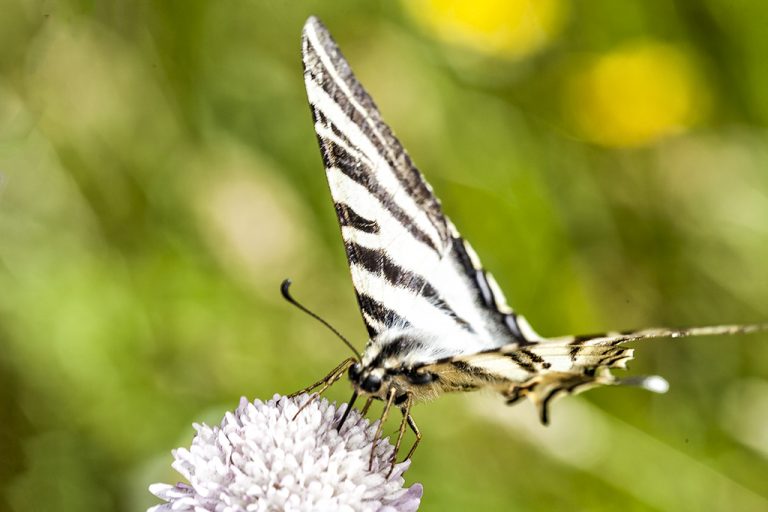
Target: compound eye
x: 354, y: 372
x: 371, y: 384
x: 419, y: 378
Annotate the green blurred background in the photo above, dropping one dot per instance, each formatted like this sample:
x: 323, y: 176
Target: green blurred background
x: 160, y: 177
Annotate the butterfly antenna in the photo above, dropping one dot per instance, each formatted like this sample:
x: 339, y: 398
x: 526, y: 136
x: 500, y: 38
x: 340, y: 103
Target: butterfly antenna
x: 284, y: 289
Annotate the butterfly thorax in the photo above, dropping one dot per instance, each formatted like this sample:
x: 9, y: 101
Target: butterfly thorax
x: 399, y: 359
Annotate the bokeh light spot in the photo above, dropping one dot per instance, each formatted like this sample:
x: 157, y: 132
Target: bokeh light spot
x: 636, y: 95
x: 506, y: 28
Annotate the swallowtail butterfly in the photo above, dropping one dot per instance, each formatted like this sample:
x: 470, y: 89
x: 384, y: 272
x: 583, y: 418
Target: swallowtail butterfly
x: 436, y: 319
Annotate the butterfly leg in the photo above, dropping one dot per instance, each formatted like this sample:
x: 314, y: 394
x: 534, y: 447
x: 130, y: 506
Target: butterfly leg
x: 416, y: 432
x: 406, y: 410
x: 384, y: 414
x: 323, y: 384
x: 367, y: 405
x: 333, y: 375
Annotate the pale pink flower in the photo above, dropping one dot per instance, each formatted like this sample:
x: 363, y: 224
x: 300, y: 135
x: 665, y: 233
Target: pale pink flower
x: 261, y: 459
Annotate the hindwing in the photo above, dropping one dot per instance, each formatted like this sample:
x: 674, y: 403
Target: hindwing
x: 555, y: 367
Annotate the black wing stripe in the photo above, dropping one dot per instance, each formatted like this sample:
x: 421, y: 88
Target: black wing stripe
x: 536, y: 358
x: 367, y: 155
x: 349, y: 217
x: 376, y: 261
x: 335, y: 156
x: 474, y: 371
x: 383, y: 203
x: 321, y: 119
x: 356, y: 164
x: 353, y: 114
x: 521, y: 361
x: 376, y: 309
x: 485, y: 289
x: 349, y: 94
x: 485, y: 292
x: 510, y: 320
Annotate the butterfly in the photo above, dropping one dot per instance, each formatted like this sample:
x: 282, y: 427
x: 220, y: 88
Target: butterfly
x: 437, y: 321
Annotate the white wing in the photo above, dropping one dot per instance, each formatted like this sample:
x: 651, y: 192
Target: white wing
x: 410, y: 267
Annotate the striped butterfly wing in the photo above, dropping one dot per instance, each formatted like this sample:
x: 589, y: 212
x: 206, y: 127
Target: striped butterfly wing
x: 556, y: 367
x: 412, y: 271
x: 410, y: 267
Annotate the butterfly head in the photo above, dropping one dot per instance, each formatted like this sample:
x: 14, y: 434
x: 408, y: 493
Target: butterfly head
x: 390, y: 361
x: 366, y: 379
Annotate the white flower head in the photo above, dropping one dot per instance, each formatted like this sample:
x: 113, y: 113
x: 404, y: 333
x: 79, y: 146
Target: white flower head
x: 261, y: 459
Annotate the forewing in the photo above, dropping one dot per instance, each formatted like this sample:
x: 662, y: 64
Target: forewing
x: 409, y: 266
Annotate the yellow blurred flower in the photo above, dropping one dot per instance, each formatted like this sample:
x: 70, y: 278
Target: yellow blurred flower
x: 507, y: 28
x: 637, y: 94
